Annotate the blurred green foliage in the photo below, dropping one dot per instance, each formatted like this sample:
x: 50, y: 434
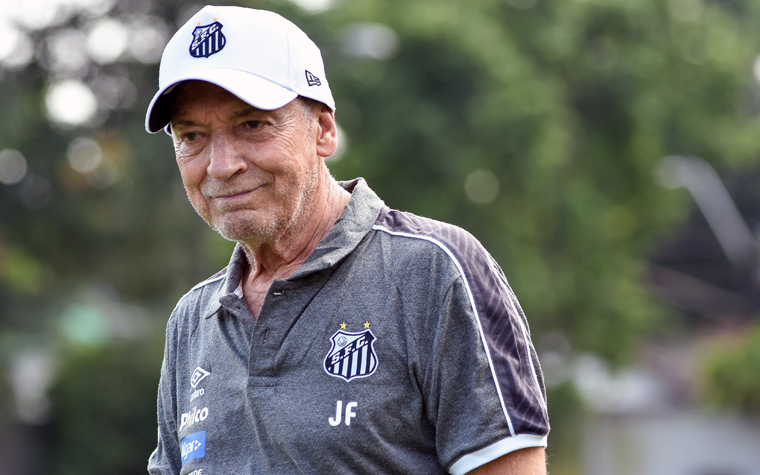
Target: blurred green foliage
x: 570, y: 104
x: 535, y: 124
x: 731, y: 374
x: 104, y: 401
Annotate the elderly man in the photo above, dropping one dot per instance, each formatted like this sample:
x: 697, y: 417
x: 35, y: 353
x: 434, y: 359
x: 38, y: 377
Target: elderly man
x: 343, y: 337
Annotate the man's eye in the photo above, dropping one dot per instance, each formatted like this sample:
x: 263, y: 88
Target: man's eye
x: 190, y: 136
x: 252, y: 124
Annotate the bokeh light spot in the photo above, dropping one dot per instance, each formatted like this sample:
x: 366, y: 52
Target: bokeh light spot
x: 84, y: 155
x: 107, y: 41
x: 481, y: 186
x: 70, y: 102
x: 12, y: 167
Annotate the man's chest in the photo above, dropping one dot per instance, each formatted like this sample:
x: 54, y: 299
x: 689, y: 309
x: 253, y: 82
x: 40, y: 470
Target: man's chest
x: 318, y: 375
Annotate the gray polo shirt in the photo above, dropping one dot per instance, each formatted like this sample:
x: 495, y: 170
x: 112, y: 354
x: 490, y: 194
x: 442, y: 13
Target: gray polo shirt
x: 396, y: 347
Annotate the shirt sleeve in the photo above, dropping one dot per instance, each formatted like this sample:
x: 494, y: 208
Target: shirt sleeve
x: 166, y: 458
x: 485, y: 392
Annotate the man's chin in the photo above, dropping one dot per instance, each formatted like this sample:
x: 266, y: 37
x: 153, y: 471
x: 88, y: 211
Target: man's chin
x: 242, y: 229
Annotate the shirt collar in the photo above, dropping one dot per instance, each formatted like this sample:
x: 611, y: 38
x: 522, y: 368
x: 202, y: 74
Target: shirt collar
x: 352, y: 225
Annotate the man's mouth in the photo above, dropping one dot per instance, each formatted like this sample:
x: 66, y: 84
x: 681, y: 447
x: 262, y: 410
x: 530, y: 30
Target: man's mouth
x: 232, y: 195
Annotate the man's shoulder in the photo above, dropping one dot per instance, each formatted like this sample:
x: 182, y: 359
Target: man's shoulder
x: 202, y: 290
x: 449, y: 237
x: 212, y: 281
x: 433, y: 247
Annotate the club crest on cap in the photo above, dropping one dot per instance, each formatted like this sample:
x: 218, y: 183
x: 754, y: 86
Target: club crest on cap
x: 207, y: 40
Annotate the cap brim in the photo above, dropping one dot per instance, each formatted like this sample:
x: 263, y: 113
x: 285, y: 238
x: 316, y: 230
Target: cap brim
x: 250, y: 88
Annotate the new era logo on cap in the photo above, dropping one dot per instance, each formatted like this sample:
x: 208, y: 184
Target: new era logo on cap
x: 312, y: 80
x: 257, y: 55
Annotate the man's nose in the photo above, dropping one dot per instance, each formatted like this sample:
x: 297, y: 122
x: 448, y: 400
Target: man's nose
x: 226, y: 158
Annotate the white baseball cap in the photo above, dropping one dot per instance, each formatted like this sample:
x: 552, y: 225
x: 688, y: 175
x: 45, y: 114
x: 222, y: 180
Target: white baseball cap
x: 257, y: 55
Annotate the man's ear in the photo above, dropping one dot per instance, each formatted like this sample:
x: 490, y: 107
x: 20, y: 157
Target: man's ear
x: 327, y: 132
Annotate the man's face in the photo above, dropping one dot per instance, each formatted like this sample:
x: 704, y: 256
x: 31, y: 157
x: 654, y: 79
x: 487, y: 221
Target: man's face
x: 249, y: 173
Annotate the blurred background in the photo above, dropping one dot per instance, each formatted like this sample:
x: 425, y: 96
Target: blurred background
x: 606, y: 152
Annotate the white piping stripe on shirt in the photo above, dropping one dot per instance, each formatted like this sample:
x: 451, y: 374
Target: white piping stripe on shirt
x: 208, y: 281
x: 199, y: 285
x: 474, y: 309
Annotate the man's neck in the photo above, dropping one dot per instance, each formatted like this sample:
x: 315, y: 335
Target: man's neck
x: 278, y: 260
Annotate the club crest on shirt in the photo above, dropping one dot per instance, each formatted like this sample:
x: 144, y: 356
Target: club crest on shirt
x: 207, y: 40
x: 352, y: 355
